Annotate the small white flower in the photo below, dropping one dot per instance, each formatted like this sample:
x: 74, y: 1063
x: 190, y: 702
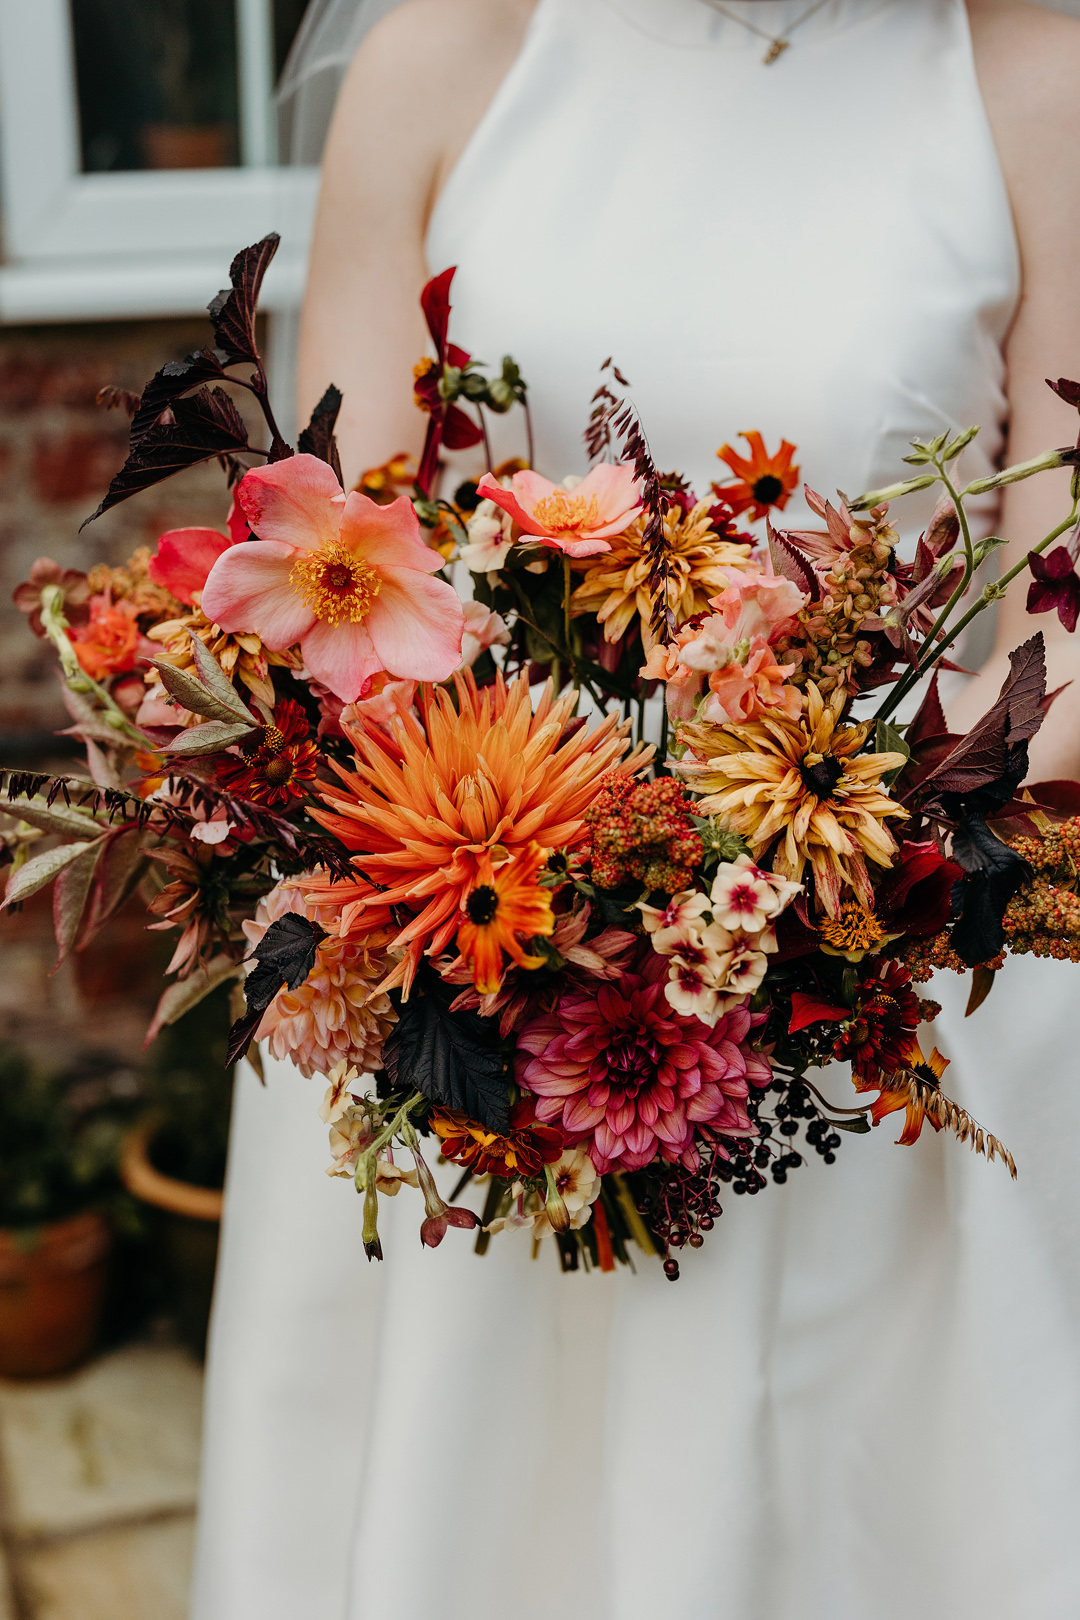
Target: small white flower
x: 744, y: 898
x: 334, y: 1104
x: 692, y: 992
x: 682, y: 911
x: 489, y: 539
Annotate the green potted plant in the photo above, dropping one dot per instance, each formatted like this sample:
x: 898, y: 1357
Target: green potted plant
x: 174, y: 1157
x: 60, y: 1137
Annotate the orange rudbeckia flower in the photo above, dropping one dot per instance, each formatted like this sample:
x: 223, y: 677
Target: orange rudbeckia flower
x: 762, y: 481
x: 503, y: 902
x: 915, y: 1088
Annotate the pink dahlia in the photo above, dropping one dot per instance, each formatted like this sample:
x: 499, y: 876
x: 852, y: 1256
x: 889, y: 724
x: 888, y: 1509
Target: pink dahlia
x: 347, y: 579
x: 632, y: 1079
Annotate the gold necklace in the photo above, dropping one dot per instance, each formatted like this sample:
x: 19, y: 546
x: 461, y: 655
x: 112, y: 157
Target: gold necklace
x: 778, y: 43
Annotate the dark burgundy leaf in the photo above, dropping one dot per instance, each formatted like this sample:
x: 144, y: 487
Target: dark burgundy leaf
x: 992, y: 874
x: 930, y: 720
x: 174, y: 379
x: 987, y: 753
x: 454, y: 1058
x: 206, y: 425
x: 283, y: 957
x: 318, y: 439
x: 1061, y: 797
x: 233, y: 310
x: 790, y: 562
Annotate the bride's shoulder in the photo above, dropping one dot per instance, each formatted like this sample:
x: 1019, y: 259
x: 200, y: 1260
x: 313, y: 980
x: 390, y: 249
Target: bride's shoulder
x: 1025, y: 52
x: 442, y: 35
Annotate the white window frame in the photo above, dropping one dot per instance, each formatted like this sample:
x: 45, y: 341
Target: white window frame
x: 146, y: 243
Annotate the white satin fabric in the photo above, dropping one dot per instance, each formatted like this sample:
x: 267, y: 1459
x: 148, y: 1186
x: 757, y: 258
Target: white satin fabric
x: 860, y: 1402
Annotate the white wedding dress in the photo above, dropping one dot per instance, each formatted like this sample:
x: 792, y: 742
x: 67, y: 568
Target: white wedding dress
x: 862, y: 1399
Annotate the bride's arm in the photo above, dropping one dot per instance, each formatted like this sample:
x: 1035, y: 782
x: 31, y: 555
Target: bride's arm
x: 1029, y: 65
x: 413, y: 95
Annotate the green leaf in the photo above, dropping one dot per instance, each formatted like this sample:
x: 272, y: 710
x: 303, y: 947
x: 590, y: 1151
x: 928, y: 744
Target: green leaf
x: 212, y: 738
x: 889, y: 741
x: 216, y: 681
x: 193, y: 695
x: 859, y: 1125
x: 181, y: 996
x: 70, y: 894
x: 53, y: 818
x: 40, y: 870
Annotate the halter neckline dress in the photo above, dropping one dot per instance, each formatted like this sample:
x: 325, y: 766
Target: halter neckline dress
x: 860, y: 1401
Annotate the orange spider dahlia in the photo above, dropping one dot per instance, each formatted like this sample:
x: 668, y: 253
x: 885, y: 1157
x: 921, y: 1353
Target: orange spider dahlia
x: 436, y: 803
x: 761, y: 481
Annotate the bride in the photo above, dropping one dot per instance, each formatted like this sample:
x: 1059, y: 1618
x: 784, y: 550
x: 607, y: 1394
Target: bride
x: 846, y: 223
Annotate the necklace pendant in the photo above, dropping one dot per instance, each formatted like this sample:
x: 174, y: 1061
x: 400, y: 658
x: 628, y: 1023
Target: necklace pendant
x: 776, y: 49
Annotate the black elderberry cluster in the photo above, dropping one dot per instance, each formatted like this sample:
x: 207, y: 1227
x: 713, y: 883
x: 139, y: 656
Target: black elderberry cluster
x: 679, y: 1206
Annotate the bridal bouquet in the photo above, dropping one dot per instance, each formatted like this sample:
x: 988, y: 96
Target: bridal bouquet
x: 429, y: 840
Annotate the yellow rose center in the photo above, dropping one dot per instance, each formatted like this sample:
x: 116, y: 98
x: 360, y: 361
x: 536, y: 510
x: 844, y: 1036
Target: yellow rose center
x: 334, y: 584
x: 563, y: 513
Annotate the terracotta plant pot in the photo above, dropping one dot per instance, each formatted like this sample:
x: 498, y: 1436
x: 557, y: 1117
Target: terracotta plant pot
x: 52, y: 1285
x: 189, y: 1232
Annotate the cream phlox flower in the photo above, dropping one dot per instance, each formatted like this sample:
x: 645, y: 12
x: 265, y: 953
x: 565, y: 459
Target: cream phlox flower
x: 483, y: 629
x: 490, y: 539
x: 349, y: 1136
x: 577, y: 1181
x: 681, y: 911
x: 390, y: 1178
x: 744, y: 897
x: 334, y: 1104
x: 690, y: 991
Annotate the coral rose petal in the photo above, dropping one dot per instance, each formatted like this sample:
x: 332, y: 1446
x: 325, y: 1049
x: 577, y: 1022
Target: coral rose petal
x: 249, y: 590
x: 341, y: 656
x: 387, y: 536
x: 297, y: 501
x: 184, y: 558
x: 416, y: 624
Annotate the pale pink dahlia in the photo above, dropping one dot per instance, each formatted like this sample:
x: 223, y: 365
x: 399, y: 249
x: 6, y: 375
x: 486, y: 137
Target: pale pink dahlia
x: 632, y: 1079
x: 333, y: 1017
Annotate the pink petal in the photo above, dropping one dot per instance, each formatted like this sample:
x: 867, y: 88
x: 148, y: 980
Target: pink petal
x: 387, y: 536
x: 184, y: 558
x: 416, y: 624
x: 249, y: 589
x: 341, y: 656
x: 293, y: 501
x: 491, y: 490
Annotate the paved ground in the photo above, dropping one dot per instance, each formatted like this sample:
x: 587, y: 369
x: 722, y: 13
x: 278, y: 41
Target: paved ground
x: 99, y: 1476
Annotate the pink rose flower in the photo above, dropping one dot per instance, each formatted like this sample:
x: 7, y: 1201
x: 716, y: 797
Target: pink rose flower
x: 630, y: 1078
x: 347, y: 579
x: 576, y: 521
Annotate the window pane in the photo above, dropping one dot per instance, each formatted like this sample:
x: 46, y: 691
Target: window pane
x: 287, y: 16
x: 157, y: 83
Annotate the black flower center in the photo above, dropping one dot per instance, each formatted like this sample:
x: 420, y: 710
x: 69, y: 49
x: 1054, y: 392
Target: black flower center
x: 767, y: 489
x: 278, y: 771
x: 482, y: 905
x: 262, y: 744
x: 821, y: 778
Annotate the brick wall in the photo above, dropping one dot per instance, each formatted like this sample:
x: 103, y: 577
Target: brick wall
x: 58, y: 451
